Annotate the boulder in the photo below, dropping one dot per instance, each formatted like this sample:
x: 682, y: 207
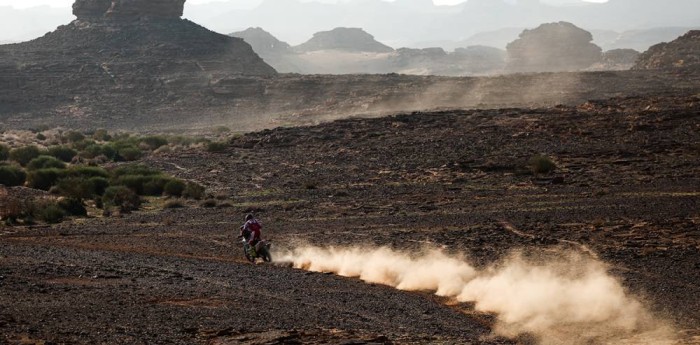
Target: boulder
x: 553, y: 47
x: 682, y: 52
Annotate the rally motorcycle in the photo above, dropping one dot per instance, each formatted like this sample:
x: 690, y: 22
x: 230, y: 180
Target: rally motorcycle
x: 262, y: 253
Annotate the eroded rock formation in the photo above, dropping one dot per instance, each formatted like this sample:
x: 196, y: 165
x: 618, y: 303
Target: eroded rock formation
x: 553, y: 47
x: 682, y: 52
x: 344, y: 39
x: 95, y: 9
x: 151, y: 8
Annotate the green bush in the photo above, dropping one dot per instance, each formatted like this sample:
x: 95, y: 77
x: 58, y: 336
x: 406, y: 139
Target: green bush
x: 45, y: 162
x: 175, y: 187
x: 4, y: 152
x: 40, y: 137
x: 540, y: 164
x: 72, y: 207
x: 122, y: 197
x: 63, y: 153
x: 24, y: 155
x: 44, y: 179
x: 100, y: 184
x: 216, y: 146
x: 91, y: 151
x: 153, y: 185
x: 76, y: 187
x: 129, y: 153
x: 50, y: 213
x: 134, y: 169
x: 193, y: 191
x: 12, y: 176
x: 87, y: 171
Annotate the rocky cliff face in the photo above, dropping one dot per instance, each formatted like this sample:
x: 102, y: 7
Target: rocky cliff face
x: 680, y: 53
x: 119, y: 56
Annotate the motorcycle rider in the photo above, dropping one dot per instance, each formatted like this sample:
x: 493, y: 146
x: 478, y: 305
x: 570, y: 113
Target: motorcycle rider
x: 251, y: 231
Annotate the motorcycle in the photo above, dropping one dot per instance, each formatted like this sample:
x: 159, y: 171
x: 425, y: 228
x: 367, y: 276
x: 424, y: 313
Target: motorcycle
x: 263, y: 252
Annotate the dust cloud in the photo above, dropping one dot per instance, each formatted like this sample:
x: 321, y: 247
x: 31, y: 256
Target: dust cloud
x: 565, y: 298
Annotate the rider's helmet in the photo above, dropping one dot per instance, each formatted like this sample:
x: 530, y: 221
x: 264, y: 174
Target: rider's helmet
x: 249, y: 216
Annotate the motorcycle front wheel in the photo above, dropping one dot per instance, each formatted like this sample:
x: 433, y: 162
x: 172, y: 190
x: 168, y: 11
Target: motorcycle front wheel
x: 247, y: 254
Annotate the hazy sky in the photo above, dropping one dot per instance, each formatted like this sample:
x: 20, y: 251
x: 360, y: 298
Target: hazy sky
x: 66, y: 3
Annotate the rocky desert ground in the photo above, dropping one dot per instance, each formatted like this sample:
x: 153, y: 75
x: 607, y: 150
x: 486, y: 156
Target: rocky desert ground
x: 623, y: 202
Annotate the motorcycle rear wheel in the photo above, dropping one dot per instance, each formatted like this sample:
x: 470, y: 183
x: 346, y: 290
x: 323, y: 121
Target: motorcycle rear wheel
x: 265, y: 254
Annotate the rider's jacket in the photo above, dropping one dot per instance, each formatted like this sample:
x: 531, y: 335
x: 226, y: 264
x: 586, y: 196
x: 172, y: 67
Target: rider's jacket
x: 254, y: 228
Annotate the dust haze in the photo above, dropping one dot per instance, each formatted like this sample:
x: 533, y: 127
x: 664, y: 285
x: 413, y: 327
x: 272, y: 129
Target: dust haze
x: 561, y: 297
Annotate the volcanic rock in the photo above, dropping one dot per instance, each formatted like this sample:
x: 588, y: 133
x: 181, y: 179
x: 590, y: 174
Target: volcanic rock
x: 682, y: 52
x: 553, y: 47
x: 84, y: 9
x: 153, y: 8
x: 344, y: 39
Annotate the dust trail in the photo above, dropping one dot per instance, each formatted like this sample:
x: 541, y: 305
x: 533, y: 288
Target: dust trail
x: 565, y: 298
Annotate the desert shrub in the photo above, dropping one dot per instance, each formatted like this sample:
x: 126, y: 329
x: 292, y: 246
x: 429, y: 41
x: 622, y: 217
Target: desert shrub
x: 175, y: 187
x: 40, y: 137
x: 216, y: 146
x: 144, y: 184
x: 155, y: 185
x: 209, y: 203
x: 45, y: 162
x: 44, y: 179
x: 174, y: 204
x: 122, y: 197
x: 63, y: 153
x: 4, y: 152
x: 11, y: 175
x: 193, y: 191
x: 134, y: 169
x: 72, y: 207
x: 87, y: 171
x: 91, y: 151
x: 154, y: 142
x: 76, y: 187
x: 101, y: 135
x: 49, y: 212
x: 83, y: 144
x: 99, y: 184
x: 540, y: 164
x: 129, y: 153
x: 24, y: 155
x: 73, y: 136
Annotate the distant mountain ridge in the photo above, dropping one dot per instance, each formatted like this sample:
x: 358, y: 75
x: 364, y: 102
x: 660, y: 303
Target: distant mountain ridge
x: 407, y: 23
